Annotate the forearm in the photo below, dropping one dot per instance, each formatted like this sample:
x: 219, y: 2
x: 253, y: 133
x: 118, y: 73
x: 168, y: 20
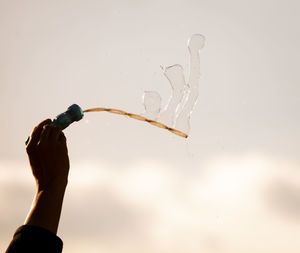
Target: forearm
x: 39, y: 231
x: 46, y: 208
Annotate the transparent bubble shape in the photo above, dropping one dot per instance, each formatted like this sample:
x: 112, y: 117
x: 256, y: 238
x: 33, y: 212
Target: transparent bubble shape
x: 176, y: 79
x: 176, y: 115
x: 184, y: 95
x: 152, y: 104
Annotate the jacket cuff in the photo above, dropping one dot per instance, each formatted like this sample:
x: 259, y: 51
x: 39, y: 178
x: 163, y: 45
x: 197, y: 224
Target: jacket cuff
x: 36, y: 239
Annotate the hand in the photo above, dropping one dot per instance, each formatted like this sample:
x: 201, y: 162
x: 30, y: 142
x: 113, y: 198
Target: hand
x: 48, y: 156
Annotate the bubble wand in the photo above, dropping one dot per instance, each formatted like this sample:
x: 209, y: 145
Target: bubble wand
x: 137, y: 117
x: 75, y: 113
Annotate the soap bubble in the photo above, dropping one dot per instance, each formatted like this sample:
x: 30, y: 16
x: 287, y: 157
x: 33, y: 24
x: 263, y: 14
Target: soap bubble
x: 178, y: 110
x: 175, y: 117
x: 176, y: 79
x: 152, y: 104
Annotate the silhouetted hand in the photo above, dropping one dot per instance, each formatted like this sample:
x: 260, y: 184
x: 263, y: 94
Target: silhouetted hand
x: 48, y: 156
x: 49, y: 160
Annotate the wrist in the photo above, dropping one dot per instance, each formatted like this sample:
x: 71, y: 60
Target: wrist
x: 46, y: 208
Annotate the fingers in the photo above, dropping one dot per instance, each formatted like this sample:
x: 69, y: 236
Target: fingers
x: 45, y: 133
x: 52, y: 133
x: 55, y: 133
x: 62, y: 138
x: 35, y: 136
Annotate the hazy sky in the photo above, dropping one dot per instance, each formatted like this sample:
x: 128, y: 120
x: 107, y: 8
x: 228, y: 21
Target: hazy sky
x: 232, y: 186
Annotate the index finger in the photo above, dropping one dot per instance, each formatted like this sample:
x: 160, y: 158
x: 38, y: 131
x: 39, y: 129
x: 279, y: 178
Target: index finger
x: 36, y: 133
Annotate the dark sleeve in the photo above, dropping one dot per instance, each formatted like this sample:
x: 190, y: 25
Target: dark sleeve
x: 34, y: 240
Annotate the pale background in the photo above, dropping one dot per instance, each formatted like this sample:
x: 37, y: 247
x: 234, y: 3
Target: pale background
x: 232, y: 186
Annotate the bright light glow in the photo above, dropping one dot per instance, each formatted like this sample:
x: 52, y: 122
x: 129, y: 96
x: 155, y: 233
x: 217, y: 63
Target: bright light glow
x: 173, y: 214
x: 234, y: 179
